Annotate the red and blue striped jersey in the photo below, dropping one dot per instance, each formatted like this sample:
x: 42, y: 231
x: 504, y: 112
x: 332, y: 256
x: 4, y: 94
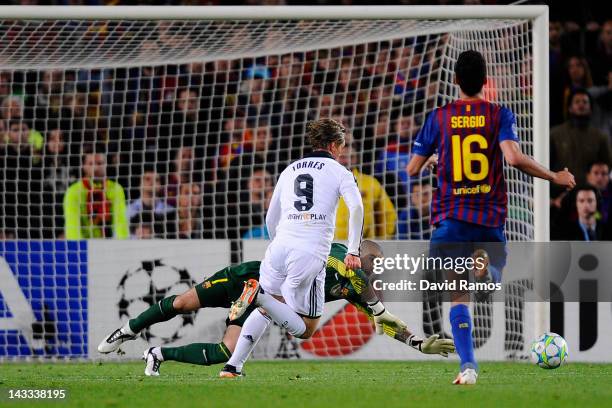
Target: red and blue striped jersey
x: 471, y: 185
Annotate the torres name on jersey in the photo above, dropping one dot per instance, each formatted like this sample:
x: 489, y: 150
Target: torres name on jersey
x: 302, y: 213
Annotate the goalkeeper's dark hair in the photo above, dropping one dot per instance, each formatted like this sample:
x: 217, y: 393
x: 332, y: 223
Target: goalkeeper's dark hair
x: 471, y: 72
x: 323, y: 132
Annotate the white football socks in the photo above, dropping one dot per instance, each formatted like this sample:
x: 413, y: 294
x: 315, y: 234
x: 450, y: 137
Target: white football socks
x: 252, y: 330
x: 282, y: 314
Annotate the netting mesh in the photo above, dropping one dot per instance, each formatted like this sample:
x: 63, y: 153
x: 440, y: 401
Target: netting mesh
x: 192, y: 121
x: 85, y: 44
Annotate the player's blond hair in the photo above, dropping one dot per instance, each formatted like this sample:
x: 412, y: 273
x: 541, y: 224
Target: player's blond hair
x: 323, y: 132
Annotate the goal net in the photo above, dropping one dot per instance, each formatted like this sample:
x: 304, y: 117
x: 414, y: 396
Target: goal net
x: 192, y: 120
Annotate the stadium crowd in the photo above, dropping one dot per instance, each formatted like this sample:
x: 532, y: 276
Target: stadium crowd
x: 192, y: 150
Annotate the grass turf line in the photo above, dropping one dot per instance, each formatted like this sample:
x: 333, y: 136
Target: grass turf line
x: 335, y: 384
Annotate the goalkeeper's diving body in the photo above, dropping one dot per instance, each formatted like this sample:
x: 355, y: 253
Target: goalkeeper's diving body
x: 472, y: 137
x: 225, y: 287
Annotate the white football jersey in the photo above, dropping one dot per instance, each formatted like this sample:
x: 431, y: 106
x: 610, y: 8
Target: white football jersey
x: 302, y: 211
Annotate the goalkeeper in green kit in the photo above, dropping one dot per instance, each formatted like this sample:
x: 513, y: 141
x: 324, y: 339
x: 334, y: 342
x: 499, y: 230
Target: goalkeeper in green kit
x: 225, y: 286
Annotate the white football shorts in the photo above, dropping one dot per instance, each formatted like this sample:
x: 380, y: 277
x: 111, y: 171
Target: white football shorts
x: 297, y: 276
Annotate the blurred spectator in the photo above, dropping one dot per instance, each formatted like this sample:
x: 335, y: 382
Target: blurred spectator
x: 578, y: 77
x: 19, y: 130
x: 288, y: 75
x: 5, y: 85
x: 601, y: 56
x: 405, y: 128
x: 374, y: 142
x: 602, y: 106
x: 378, y: 64
x: 259, y: 142
x: 555, y: 66
x: 81, y: 123
x: 391, y: 163
x: 587, y: 227
x: 232, y: 145
x: 598, y: 176
x: 575, y: 144
x: 57, y: 177
x: 189, y: 212
x: 20, y: 186
x: 414, y: 222
x: 188, y: 121
x: 184, y: 166
x: 256, y: 99
x: 12, y: 107
x: 259, y: 139
x: 94, y: 207
x: 260, y: 187
x: 233, y: 206
x: 46, y: 100
x: 151, y: 205
x: 379, y: 213
x: 348, y: 76
x: 326, y: 63
x: 142, y: 226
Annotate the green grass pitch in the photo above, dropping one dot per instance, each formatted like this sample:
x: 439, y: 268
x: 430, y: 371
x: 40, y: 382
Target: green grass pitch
x: 336, y: 384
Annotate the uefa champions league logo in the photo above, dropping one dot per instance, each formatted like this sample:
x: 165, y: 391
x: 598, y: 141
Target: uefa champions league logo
x: 148, y: 284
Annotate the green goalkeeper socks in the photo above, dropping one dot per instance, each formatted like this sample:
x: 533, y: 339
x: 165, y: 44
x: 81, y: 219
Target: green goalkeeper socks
x: 159, y: 312
x: 198, y: 353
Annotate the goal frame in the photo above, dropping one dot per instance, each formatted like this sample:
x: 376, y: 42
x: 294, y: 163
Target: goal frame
x: 538, y: 15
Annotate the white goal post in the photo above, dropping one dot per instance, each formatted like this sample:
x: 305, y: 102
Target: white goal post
x: 96, y: 48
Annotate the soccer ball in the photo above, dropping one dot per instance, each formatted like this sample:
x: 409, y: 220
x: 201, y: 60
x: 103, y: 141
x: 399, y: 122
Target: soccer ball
x: 549, y: 351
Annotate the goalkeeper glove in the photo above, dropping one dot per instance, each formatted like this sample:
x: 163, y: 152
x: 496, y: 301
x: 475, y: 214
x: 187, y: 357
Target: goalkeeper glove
x: 382, y: 317
x: 432, y: 345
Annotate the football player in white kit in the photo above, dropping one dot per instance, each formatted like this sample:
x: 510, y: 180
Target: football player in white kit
x: 301, y: 221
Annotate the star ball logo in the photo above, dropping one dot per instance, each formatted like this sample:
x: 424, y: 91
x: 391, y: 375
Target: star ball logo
x: 148, y: 284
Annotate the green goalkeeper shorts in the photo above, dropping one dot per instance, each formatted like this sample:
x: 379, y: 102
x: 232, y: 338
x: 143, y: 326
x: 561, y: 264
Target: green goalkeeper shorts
x: 225, y: 286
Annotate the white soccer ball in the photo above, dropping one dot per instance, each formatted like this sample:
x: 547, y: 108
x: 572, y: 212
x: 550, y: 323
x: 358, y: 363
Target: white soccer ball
x: 549, y: 351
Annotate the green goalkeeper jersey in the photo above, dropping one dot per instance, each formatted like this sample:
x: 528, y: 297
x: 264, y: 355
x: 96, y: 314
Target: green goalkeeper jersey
x: 225, y: 286
x: 343, y: 283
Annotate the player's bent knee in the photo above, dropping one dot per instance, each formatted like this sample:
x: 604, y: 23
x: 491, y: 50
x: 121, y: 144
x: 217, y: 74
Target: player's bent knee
x: 182, y: 304
x: 187, y: 302
x: 307, y: 334
x: 311, y: 327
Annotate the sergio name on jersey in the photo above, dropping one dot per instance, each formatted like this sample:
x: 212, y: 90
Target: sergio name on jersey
x: 471, y: 185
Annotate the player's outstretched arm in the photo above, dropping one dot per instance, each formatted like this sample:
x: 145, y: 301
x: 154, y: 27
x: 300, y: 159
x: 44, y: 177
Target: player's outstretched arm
x: 516, y: 158
x: 383, y: 318
x: 431, y: 345
x: 398, y: 330
x: 274, y: 213
x: 418, y: 162
x: 371, y: 304
x: 395, y: 328
x: 352, y: 198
